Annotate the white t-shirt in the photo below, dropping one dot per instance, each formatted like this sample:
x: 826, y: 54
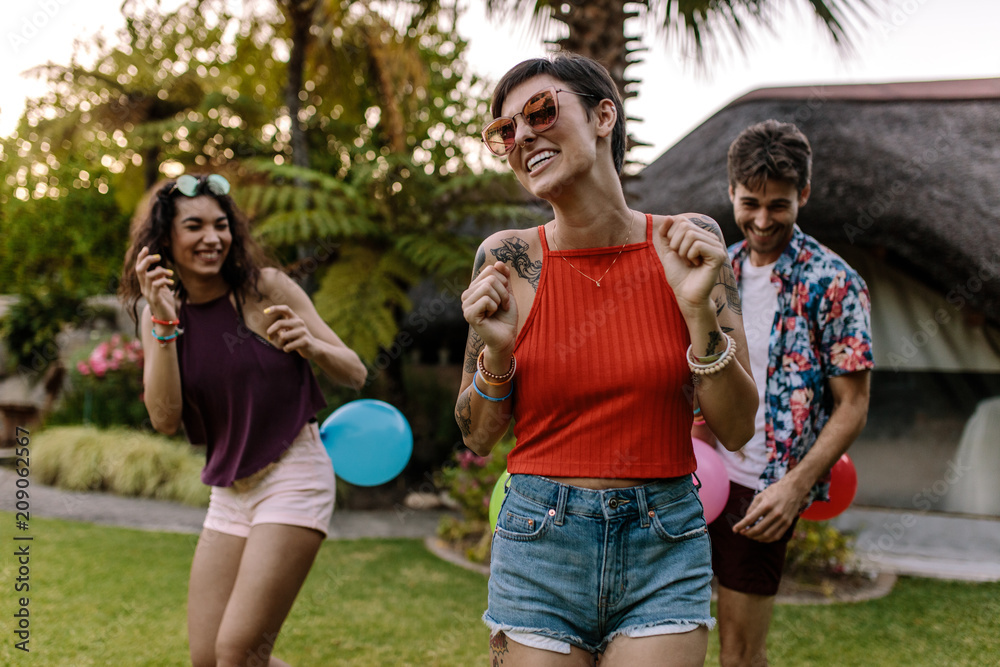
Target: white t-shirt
x: 760, y: 302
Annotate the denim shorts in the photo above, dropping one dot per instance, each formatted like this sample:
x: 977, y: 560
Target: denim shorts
x: 581, y: 566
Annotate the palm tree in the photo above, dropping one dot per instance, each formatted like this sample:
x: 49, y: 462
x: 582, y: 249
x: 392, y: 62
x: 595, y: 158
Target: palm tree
x: 597, y: 28
x: 301, y: 15
x: 387, y: 198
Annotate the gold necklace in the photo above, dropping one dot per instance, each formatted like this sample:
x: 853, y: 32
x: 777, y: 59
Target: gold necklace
x: 628, y: 233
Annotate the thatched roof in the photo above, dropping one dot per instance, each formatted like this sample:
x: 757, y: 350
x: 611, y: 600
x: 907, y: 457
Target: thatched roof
x: 909, y: 170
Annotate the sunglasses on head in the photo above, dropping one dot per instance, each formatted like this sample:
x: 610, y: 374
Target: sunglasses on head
x: 540, y: 112
x: 187, y: 184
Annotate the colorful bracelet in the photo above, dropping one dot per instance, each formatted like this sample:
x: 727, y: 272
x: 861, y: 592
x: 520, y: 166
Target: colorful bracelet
x: 497, y: 380
x: 165, y: 322
x: 718, y: 364
x: 166, y: 339
x: 487, y: 397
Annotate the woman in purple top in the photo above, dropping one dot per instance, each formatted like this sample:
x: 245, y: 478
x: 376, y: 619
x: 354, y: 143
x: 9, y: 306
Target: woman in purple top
x: 228, y: 343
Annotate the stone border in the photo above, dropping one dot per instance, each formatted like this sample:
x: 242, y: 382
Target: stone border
x: 880, y: 588
x: 439, y: 548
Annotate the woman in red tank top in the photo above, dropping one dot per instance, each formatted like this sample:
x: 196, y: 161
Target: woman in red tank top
x: 588, y: 333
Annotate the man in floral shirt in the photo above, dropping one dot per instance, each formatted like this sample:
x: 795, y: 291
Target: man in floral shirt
x: 808, y: 325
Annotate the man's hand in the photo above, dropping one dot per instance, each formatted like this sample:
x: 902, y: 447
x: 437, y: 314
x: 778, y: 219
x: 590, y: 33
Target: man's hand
x: 772, y: 511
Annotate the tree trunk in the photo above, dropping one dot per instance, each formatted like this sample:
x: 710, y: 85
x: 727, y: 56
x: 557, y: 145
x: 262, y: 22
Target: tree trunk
x: 151, y: 166
x: 301, y: 14
x: 597, y: 30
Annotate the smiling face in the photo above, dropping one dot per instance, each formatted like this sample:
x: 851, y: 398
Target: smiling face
x: 767, y: 217
x: 200, y: 239
x: 547, y: 162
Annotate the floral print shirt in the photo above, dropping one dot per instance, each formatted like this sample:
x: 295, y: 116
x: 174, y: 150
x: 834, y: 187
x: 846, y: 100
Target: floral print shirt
x: 822, y: 329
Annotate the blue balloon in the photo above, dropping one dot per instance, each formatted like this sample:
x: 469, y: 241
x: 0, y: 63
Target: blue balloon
x: 369, y: 441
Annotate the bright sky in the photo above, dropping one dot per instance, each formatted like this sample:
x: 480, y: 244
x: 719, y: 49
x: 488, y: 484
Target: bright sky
x: 917, y: 40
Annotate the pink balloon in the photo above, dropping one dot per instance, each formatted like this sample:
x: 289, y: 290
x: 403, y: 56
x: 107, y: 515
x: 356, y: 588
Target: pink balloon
x: 711, y: 471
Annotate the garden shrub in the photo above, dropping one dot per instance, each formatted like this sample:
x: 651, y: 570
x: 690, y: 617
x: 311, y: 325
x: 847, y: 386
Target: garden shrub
x: 817, y: 548
x: 106, y: 388
x: 119, y: 460
x: 469, y: 480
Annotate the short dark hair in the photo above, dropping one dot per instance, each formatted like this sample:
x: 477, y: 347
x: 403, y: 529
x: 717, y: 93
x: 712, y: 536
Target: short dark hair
x: 770, y: 150
x: 581, y: 74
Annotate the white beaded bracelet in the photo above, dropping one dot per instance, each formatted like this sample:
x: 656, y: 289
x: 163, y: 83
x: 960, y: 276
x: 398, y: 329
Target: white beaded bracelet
x: 718, y: 364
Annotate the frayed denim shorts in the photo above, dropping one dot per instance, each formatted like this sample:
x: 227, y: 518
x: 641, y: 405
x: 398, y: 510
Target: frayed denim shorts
x: 574, y: 566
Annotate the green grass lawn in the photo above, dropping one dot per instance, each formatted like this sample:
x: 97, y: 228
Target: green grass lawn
x: 112, y: 596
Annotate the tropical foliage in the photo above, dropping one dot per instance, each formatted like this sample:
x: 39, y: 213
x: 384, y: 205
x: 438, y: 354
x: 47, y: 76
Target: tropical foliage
x: 613, y: 32
x: 386, y: 197
x: 469, y: 480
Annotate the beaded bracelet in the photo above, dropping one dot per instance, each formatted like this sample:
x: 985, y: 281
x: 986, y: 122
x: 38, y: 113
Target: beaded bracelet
x: 488, y: 397
x: 497, y: 380
x: 166, y: 339
x: 165, y: 322
x: 718, y: 364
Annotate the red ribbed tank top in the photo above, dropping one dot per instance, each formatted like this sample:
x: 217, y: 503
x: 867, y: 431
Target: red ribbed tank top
x: 601, y: 371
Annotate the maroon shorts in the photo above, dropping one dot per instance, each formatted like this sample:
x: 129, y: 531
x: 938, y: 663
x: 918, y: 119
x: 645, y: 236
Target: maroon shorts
x: 742, y: 564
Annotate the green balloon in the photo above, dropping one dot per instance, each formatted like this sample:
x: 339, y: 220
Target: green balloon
x: 496, y: 500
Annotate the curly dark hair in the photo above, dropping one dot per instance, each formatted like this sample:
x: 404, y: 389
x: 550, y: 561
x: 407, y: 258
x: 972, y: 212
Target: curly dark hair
x: 582, y: 75
x: 241, y: 269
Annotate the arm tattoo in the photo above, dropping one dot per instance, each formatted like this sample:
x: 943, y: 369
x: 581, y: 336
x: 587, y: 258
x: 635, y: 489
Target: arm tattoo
x: 477, y: 267
x: 728, y: 277
x: 732, y: 289
x: 463, y: 413
x: 709, y: 225
x: 713, y: 342
x: 472, y: 349
x: 515, y: 253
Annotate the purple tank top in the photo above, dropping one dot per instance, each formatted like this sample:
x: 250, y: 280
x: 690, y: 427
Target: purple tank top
x: 243, y: 398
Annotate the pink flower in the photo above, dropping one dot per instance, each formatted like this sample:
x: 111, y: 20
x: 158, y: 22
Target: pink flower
x: 801, y: 398
x: 800, y: 297
x: 82, y: 368
x: 99, y: 366
x: 467, y: 458
x: 116, y: 340
x: 795, y: 361
x: 849, y: 354
x: 835, y: 294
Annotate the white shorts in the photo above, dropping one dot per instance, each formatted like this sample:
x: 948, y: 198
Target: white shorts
x: 298, y: 490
